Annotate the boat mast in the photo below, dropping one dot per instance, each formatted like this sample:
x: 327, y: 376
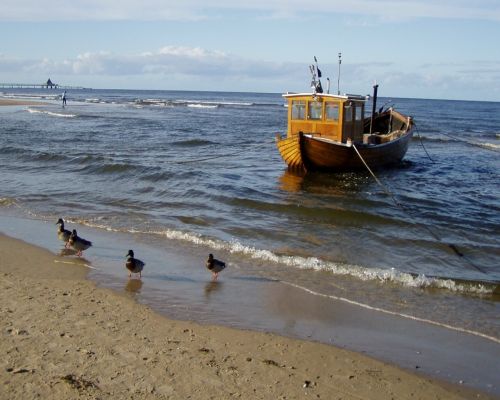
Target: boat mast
x: 338, y: 78
x: 374, y: 105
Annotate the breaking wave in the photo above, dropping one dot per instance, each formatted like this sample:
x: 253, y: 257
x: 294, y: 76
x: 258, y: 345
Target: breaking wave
x: 7, y: 202
x: 51, y: 113
x: 337, y: 268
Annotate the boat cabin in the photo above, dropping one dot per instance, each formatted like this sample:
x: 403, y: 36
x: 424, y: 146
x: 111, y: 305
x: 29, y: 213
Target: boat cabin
x: 329, y: 116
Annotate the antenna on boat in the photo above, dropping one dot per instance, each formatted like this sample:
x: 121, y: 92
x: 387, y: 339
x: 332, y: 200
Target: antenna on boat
x: 338, y: 78
x: 328, y: 85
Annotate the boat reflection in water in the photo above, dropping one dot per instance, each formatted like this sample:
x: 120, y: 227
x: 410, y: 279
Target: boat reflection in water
x: 342, y: 185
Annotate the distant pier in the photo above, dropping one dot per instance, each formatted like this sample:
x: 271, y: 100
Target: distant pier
x: 36, y: 86
x: 47, y: 85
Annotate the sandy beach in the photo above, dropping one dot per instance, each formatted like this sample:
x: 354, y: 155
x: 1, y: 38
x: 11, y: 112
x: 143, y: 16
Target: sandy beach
x: 63, y: 337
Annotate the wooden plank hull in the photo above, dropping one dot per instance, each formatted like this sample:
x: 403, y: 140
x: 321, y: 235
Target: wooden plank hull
x: 318, y: 154
x: 289, y: 149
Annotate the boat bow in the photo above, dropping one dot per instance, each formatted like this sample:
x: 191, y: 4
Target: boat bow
x: 289, y: 148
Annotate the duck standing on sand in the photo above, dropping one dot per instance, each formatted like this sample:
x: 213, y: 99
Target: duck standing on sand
x: 134, y: 265
x: 215, y: 266
x: 78, y: 243
x: 63, y: 234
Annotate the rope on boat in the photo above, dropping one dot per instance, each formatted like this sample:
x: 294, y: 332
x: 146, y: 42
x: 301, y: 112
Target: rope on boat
x: 386, y: 190
x: 422, y: 143
x: 404, y: 209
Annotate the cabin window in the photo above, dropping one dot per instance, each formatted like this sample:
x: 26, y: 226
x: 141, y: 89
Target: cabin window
x: 298, y: 109
x: 332, y: 111
x: 359, y: 113
x: 348, y: 113
x: 315, y: 108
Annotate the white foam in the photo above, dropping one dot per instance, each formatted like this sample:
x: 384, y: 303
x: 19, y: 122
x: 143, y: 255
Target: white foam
x: 152, y: 101
x: 203, y: 105
x: 221, y: 103
x: 51, y: 113
x: 7, y: 202
x: 490, y: 145
x: 30, y: 96
x: 313, y: 263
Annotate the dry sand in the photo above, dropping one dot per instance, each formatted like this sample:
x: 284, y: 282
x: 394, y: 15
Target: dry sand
x: 64, y: 338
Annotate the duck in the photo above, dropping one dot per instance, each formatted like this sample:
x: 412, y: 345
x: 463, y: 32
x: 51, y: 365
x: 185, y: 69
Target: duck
x: 215, y: 266
x: 78, y: 243
x: 63, y: 234
x: 134, y: 265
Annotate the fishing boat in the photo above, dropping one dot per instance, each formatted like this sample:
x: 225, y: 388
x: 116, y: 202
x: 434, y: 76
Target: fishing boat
x: 330, y: 132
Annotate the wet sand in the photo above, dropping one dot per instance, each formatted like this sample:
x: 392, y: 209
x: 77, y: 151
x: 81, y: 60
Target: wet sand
x: 12, y: 102
x: 62, y: 337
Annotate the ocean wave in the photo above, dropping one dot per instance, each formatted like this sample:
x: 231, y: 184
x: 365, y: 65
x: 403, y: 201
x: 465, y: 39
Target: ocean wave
x: 217, y: 103
x: 337, y: 268
x: 51, y: 113
x: 493, y: 146
x: 433, y: 139
x: 202, y: 105
x: 448, y: 138
x: 44, y: 156
x: 193, y: 142
x: 190, y: 103
x: 7, y: 202
x: 33, y: 155
x: 108, y: 168
x: 12, y: 150
x: 30, y: 96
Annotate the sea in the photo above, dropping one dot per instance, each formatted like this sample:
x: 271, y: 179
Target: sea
x: 176, y: 175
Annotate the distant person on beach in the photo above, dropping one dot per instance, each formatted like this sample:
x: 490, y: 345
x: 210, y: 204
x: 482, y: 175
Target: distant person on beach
x: 64, y: 98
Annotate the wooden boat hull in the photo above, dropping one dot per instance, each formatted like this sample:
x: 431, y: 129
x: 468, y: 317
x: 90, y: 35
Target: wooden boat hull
x: 318, y: 154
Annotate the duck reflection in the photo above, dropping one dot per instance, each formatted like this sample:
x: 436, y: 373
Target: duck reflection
x: 133, y: 286
x: 65, y: 252
x: 212, y: 287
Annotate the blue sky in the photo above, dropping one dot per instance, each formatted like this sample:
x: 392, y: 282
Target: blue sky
x: 427, y: 49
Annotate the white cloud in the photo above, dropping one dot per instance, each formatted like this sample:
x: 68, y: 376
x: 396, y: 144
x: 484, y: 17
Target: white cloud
x: 168, y: 60
x: 191, y: 68
x: 117, y: 10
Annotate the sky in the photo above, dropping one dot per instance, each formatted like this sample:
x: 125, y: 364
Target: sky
x: 436, y: 49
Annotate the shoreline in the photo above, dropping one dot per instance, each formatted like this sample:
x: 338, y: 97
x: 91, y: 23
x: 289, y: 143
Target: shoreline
x: 182, y: 291
x: 12, y: 102
x: 63, y: 336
